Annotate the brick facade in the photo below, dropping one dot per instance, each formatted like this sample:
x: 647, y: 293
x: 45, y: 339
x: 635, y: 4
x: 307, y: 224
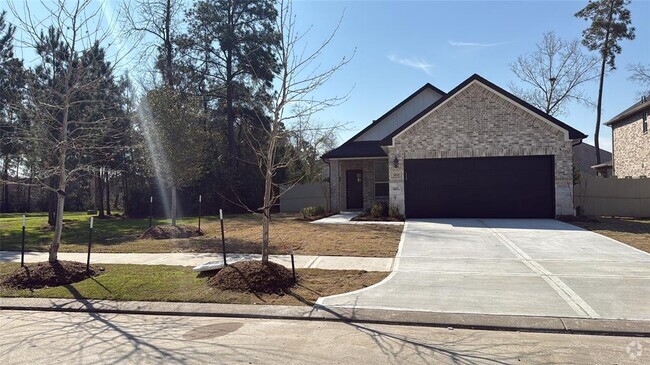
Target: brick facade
x: 338, y: 170
x: 631, y: 147
x: 478, y: 122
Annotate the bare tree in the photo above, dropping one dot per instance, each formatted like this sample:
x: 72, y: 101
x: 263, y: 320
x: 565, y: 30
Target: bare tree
x: 69, y: 123
x: 291, y: 108
x: 553, y: 74
x: 641, y: 75
x: 153, y: 25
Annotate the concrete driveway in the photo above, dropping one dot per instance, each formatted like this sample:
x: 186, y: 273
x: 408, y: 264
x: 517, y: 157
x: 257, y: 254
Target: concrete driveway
x: 510, y: 267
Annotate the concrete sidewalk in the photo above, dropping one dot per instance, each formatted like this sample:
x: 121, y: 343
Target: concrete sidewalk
x: 346, y: 218
x: 319, y: 313
x: 194, y: 259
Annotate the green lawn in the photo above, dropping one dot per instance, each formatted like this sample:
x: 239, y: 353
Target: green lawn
x: 75, y: 232
x: 181, y: 284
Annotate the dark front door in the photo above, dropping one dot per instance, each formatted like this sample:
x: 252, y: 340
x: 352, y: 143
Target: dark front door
x: 354, y: 189
x: 486, y: 187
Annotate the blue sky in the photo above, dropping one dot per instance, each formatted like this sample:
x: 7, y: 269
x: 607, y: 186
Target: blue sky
x: 401, y: 45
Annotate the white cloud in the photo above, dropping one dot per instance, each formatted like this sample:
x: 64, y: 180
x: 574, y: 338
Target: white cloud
x: 416, y: 63
x: 476, y: 44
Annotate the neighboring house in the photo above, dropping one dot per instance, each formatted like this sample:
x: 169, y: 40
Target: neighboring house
x: 631, y: 141
x: 477, y: 151
x: 584, y: 159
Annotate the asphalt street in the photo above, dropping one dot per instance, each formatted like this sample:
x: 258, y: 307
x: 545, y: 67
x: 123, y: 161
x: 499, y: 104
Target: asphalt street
x: 82, y: 338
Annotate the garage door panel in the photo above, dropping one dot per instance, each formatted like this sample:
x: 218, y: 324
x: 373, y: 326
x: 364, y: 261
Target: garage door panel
x: 489, y: 187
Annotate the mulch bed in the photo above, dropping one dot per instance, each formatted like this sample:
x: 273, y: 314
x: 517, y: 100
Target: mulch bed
x: 254, y: 276
x: 46, y: 274
x: 585, y: 219
x: 312, y: 218
x: 168, y: 231
x: 369, y: 218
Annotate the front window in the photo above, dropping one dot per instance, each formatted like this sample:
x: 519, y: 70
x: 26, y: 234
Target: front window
x: 381, y: 179
x: 645, y: 122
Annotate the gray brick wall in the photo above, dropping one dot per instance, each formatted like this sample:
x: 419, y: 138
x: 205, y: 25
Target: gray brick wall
x: 477, y: 122
x: 631, y: 148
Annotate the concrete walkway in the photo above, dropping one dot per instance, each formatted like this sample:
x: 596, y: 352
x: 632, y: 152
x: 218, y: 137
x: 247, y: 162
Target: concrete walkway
x: 346, y: 218
x: 510, y: 267
x: 194, y: 259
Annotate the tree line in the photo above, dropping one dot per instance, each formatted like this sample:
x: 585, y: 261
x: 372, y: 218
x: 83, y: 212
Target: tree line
x: 74, y: 127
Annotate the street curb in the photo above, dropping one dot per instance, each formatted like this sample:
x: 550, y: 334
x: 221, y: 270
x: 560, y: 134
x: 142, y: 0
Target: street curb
x: 586, y: 326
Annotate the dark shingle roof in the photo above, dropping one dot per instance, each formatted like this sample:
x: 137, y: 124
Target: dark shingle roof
x: 585, y: 157
x: 357, y: 149
x: 637, y: 107
x: 372, y: 148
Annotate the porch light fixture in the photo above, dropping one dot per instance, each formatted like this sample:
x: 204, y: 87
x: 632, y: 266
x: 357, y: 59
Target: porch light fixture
x: 395, y: 162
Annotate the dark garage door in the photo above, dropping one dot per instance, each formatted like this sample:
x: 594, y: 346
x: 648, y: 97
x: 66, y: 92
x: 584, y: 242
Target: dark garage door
x: 486, y: 187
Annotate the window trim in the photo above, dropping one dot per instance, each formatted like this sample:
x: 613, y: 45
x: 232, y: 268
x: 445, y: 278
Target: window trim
x: 374, y: 176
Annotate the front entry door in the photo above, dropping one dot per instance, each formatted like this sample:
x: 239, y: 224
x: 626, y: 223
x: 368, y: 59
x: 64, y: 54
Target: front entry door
x: 354, y: 189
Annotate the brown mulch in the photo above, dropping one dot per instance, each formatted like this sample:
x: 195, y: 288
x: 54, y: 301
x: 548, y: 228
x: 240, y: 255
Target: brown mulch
x: 312, y: 218
x: 577, y: 218
x: 370, y: 218
x: 167, y: 231
x: 44, y: 274
x: 254, y: 276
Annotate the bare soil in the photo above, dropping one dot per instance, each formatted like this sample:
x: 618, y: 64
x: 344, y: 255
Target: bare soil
x: 46, y: 274
x: 632, y: 231
x: 254, y: 277
x: 168, y: 231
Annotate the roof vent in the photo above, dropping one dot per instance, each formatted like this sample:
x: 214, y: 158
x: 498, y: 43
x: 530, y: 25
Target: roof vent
x: 644, y: 98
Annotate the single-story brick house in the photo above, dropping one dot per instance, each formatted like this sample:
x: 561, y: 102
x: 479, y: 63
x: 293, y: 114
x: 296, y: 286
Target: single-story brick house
x: 477, y: 151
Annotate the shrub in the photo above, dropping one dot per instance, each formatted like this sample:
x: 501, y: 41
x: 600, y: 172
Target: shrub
x: 312, y: 211
x: 379, y: 209
x: 393, y: 212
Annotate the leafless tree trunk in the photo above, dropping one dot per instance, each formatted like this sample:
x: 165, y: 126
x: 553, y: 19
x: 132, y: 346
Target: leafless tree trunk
x: 99, y: 194
x: 78, y: 27
x: 291, y: 109
x: 108, y: 193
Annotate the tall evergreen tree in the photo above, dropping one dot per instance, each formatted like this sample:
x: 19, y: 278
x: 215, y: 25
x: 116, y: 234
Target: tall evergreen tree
x: 610, y: 24
x: 12, y: 81
x: 229, y: 43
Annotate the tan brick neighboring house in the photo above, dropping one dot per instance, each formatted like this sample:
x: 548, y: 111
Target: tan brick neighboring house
x: 477, y: 151
x: 631, y: 141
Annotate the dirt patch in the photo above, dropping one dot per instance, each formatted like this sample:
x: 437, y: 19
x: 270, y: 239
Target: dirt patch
x: 168, y: 231
x: 632, y: 231
x: 46, y: 274
x: 254, y: 276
